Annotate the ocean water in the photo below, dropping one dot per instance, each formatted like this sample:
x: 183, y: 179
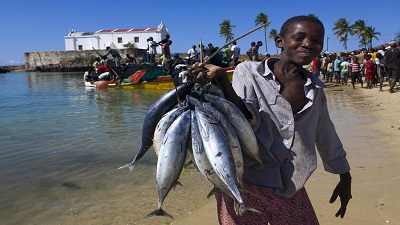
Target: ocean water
x: 61, y: 145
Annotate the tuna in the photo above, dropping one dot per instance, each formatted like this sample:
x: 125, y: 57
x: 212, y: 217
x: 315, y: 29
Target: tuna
x: 163, y: 125
x: 218, y: 152
x: 171, y: 159
x: 162, y: 105
x: 242, y: 127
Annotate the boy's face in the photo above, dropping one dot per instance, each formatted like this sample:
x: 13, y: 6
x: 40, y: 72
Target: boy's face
x: 302, y: 43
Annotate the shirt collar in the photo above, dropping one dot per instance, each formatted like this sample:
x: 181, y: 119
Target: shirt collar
x: 266, y: 72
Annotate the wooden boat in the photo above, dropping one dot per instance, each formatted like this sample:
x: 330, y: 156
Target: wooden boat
x: 164, y: 82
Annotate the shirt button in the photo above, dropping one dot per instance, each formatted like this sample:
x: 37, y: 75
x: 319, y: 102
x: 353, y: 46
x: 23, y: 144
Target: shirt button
x: 289, y: 122
x: 286, y: 142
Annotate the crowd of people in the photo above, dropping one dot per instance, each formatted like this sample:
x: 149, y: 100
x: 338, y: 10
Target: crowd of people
x: 367, y: 68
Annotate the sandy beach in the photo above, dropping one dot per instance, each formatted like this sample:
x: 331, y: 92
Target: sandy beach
x: 373, y: 152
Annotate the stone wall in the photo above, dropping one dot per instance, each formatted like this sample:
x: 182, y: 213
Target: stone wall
x: 35, y: 61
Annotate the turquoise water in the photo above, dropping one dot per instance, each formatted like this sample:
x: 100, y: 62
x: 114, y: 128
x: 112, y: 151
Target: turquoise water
x: 61, y: 145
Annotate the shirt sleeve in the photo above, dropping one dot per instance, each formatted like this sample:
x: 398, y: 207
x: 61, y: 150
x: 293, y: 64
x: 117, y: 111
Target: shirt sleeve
x: 328, y: 143
x: 242, y: 83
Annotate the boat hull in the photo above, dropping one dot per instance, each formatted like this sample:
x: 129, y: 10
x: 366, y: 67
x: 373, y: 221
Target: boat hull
x: 161, y: 83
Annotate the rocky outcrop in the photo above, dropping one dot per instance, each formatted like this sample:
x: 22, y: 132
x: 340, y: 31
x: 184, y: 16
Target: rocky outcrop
x: 66, y: 61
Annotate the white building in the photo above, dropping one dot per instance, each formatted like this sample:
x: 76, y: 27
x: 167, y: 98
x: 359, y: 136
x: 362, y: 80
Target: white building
x: 116, y: 38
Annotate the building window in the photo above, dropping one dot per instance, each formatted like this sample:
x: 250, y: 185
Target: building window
x: 80, y: 47
x: 136, y: 39
x: 120, y: 40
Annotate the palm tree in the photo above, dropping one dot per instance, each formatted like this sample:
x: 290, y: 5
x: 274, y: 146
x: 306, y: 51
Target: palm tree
x: 272, y: 35
x: 342, y: 30
x: 359, y: 30
x: 370, y: 34
x: 225, y: 30
x: 263, y: 19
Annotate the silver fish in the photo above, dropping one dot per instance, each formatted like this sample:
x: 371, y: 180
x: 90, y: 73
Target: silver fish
x: 163, y: 125
x: 218, y: 151
x: 162, y: 105
x: 242, y: 127
x: 200, y: 157
x: 171, y: 159
x: 232, y: 138
x: 214, y: 90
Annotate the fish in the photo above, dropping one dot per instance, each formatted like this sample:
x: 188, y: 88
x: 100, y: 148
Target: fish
x: 194, y: 102
x: 213, y: 90
x: 232, y: 138
x: 171, y: 159
x: 163, y: 125
x: 242, y: 127
x: 162, y: 105
x: 202, y: 163
x: 220, y: 157
x: 218, y: 151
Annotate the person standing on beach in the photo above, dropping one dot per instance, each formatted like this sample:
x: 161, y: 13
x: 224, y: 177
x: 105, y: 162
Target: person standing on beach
x: 392, y: 64
x: 344, y: 70
x: 287, y: 108
x: 336, y: 68
x: 380, y: 68
x: 355, y: 72
x: 370, y: 70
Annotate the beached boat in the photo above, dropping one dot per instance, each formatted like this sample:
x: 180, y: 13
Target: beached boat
x: 163, y: 82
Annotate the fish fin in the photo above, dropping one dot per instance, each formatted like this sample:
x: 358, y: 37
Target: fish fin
x: 158, y: 212
x: 131, y: 166
x: 190, y: 163
x: 177, y: 183
x: 212, y: 192
x: 241, y: 208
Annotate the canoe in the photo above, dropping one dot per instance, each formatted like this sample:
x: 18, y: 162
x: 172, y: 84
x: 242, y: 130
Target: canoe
x: 164, y: 82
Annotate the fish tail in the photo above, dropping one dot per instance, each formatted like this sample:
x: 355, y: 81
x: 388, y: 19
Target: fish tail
x: 131, y: 166
x: 158, y: 212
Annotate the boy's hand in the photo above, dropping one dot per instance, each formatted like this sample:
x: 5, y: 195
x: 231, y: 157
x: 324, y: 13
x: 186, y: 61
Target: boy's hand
x: 343, y: 190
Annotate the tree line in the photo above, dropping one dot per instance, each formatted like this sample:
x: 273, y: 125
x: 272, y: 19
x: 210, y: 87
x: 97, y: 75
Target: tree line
x: 342, y: 30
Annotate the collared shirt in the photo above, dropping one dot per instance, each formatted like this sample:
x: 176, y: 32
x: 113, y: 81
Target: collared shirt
x: 287, y: 141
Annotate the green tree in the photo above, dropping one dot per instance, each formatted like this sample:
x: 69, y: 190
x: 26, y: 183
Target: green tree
x: 272, y: 35
x: 312, y: 15
x: 263, y: 19
x: 131, y: 48
x: 225, y: 30
x: 370, y: 34
x: 359, y: 29
x: 342, y: 29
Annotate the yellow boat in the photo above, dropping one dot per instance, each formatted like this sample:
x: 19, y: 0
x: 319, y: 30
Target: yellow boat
x: 161, y: 83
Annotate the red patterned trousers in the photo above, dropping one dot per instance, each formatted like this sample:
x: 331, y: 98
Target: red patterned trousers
x: 296, y: 210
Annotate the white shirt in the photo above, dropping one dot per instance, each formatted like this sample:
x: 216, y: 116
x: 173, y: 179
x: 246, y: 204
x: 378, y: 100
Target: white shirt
x: 235, y: 51
x: 193, y: 53
x: 152, y: 47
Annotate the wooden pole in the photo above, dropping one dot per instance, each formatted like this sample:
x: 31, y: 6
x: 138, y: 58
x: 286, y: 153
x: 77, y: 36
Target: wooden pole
x: 240, y: 37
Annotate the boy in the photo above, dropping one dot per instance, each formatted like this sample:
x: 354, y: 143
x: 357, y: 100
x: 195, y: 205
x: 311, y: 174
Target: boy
x: 287, y: 108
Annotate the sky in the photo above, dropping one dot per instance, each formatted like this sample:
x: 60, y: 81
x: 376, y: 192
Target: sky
x: 40, y: 25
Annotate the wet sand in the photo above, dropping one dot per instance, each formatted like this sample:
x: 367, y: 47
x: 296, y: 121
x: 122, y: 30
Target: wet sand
x: 368, y: 124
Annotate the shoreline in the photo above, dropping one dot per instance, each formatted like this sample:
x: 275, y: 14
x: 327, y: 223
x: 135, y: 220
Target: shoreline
x: 372, y: 152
